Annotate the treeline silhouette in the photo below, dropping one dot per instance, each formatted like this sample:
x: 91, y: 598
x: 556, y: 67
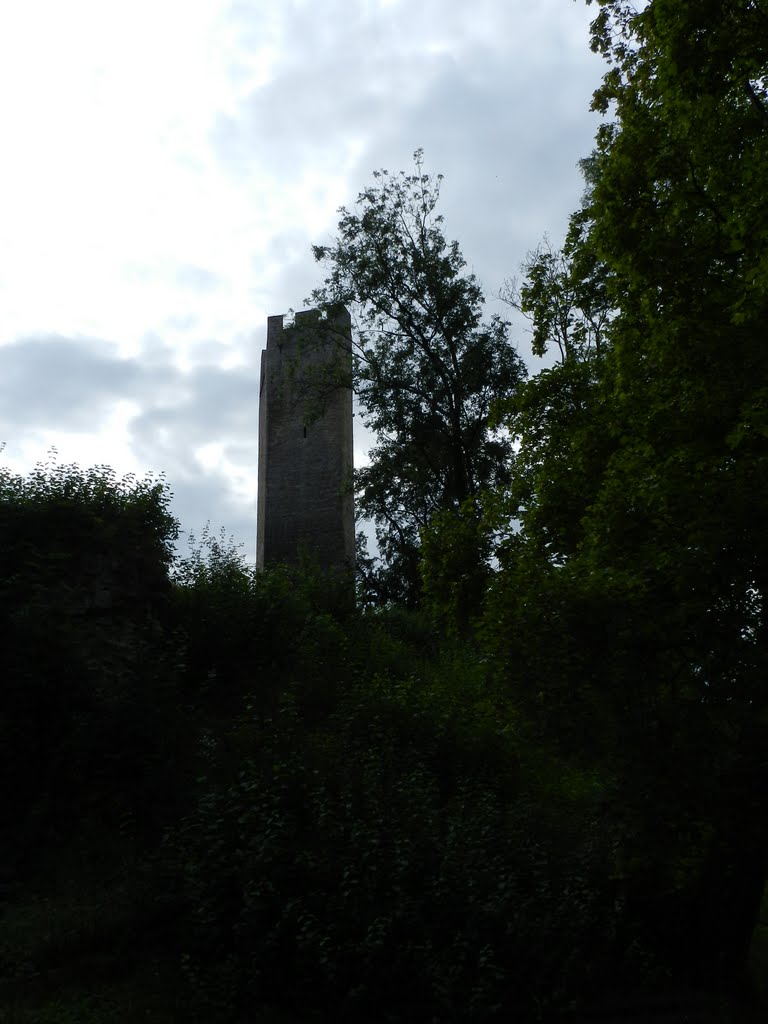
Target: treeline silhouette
x: 233, y: 796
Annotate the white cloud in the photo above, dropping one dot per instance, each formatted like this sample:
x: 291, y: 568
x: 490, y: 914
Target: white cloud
x: 167, y: 165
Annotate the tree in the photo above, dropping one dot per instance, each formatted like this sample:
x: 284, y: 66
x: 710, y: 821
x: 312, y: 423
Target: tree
x: 88, y: 706
x: 636, y: 594
x: 564, y: 293
x: 428, y: 371
x: 679, y: 212
x: 556, y: 417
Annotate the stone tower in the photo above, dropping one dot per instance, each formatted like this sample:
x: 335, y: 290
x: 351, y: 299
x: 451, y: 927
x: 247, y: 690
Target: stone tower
x: 305, y: 503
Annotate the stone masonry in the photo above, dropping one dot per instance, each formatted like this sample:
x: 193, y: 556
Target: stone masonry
x: 305, y: 502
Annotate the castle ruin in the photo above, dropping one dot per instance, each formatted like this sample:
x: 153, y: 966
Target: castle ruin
x: 305, y: 500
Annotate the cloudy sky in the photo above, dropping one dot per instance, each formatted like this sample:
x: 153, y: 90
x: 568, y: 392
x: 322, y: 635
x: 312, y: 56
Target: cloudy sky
x: 166, y: 165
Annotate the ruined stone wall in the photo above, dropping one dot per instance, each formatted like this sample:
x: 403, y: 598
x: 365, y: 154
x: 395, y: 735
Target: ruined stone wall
x: 305, y: 502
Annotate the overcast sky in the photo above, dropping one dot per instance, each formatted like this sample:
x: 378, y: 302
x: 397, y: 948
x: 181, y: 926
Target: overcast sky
x: 167, y: 164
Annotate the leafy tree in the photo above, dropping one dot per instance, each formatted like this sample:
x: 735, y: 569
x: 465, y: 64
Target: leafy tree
x: 428, y: 370
x: 453, y: 576
x: 84, y: 560
x: 631, y: 612
x: 564, y: 293
x: 679, y: 212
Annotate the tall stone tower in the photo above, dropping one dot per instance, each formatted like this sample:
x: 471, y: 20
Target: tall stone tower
x: 305, y: 503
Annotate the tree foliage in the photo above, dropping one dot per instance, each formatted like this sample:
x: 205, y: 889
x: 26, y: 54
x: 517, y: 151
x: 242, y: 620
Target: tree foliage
x: 84, y: 559
x: 428, y: 370
x: 630, y: 613
x: 390, y: 860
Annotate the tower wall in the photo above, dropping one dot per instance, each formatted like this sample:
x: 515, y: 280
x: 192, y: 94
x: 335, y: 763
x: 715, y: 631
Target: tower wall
x: 305, y: 502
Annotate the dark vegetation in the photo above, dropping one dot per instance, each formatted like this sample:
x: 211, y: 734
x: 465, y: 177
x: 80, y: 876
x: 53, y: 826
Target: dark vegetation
x: 526, y: 777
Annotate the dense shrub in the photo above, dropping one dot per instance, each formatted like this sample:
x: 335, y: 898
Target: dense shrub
x: 86, y: 697
x: 246, y: 633
x: 394, y: 861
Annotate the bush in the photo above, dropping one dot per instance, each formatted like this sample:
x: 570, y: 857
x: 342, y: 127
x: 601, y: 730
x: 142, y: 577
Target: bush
x: 392, y: 861
x: 246, y: 633
x: 87, y: 685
